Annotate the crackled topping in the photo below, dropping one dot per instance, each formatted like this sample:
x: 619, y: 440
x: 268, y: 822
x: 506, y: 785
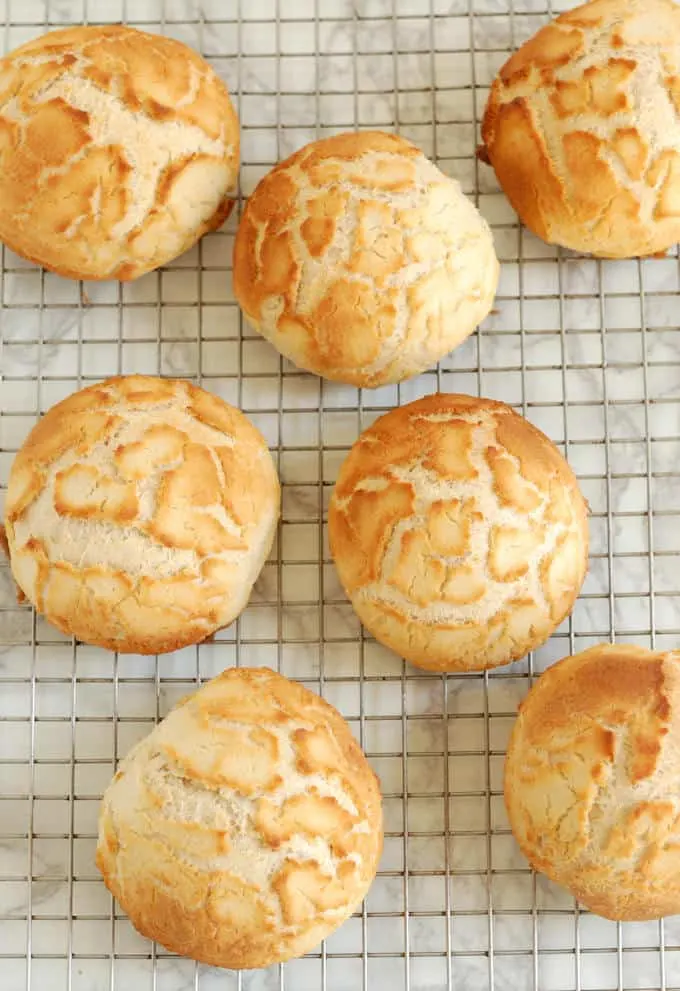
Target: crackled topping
x: 221, y: 808
x: 591, y: 779
x: 139, y: 513
x: 459, y: 532
x: 110, y: 164
x: 583, y: 128
x: 361, y: 261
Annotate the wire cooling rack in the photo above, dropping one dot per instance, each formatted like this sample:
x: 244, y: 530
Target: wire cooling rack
x: 590, y: 352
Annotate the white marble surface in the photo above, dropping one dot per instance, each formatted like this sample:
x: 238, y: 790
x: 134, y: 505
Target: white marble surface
x: 454, y: 904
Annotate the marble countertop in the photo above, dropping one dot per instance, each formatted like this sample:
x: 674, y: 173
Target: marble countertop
x: 588, y: 351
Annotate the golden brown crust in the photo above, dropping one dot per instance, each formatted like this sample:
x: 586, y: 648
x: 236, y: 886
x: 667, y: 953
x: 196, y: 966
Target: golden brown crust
x: 591, y: 780
x: 361, y: 261
x: 459, y: 533
x: 111, y: 165
x: 231, y: 851
x: 139, y: 512
x: 583, y: 129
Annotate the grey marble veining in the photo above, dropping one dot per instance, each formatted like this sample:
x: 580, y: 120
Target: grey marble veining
x: 566, y: 334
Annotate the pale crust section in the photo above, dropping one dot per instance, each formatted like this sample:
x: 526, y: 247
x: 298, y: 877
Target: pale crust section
x: 139, y: 513
x: 361, y: 261
x: 591, y: 780
x: 118, y: 150
x: 582, y: 128
x: 232, y: 851
x: 459, y: 533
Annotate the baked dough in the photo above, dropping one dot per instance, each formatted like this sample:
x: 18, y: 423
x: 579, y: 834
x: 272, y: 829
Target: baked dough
x: 139, y: 513
x: 583, y: 128
x: 362, y: 262
x: 118, y: 150
x: 246, y: 827
x: 459, y: 533
x: 591, y: 780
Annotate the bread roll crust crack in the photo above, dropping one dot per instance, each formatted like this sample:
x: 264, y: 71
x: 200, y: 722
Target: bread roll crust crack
x: 361, y: 261
x: 118, y: 150
x: 591, y: 780
x: 139, y: 513
x: 242, y: 838
x: 582, y: 128
x: 459, y: 533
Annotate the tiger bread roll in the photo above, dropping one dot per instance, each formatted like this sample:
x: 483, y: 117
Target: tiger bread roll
x: 362, y: 262
x: 246, y: 827
x: 591, y: 780
x: 118, y: 150
x: 139, y: 513
x: 582, y: 128
x: 459, y: 533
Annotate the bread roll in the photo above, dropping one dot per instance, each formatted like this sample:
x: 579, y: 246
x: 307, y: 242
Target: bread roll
x: 118, y: 150
x: 591, y: 780
x: 583, y: 128
x: 362, y: 262
x: 246, y: 827
x: 459, y: 533
x: 139, y: 513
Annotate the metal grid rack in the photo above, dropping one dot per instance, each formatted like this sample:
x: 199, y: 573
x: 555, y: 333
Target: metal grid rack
x: 588, y: 351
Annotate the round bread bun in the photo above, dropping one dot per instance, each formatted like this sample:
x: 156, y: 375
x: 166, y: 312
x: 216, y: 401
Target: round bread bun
x: 246, y: 827
x: 459, y: 533
x: 591, y: 780
x: 139, y: 513
x: 362, y: 262
x: 118, y: 151
x: 582, y: 128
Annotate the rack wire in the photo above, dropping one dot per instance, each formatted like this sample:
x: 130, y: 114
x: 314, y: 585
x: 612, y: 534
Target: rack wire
x: 588, y: 351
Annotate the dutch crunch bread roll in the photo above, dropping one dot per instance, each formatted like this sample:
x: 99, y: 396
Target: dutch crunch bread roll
x: 361, y: 261
x: 591, y: 779
x: 582, y: 128
x: 245, y: 827
x: 459, y: 533
x: 139, y: 513
x: 118, y: 150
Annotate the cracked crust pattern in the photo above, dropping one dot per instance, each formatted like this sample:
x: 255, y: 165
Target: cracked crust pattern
x: 582, y: 128
x: 361, y: 262
x: 246, y: 827
x: 459, y: 533
x: 591, y: 780
x: 110, y: 163
x: 139, y: 513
